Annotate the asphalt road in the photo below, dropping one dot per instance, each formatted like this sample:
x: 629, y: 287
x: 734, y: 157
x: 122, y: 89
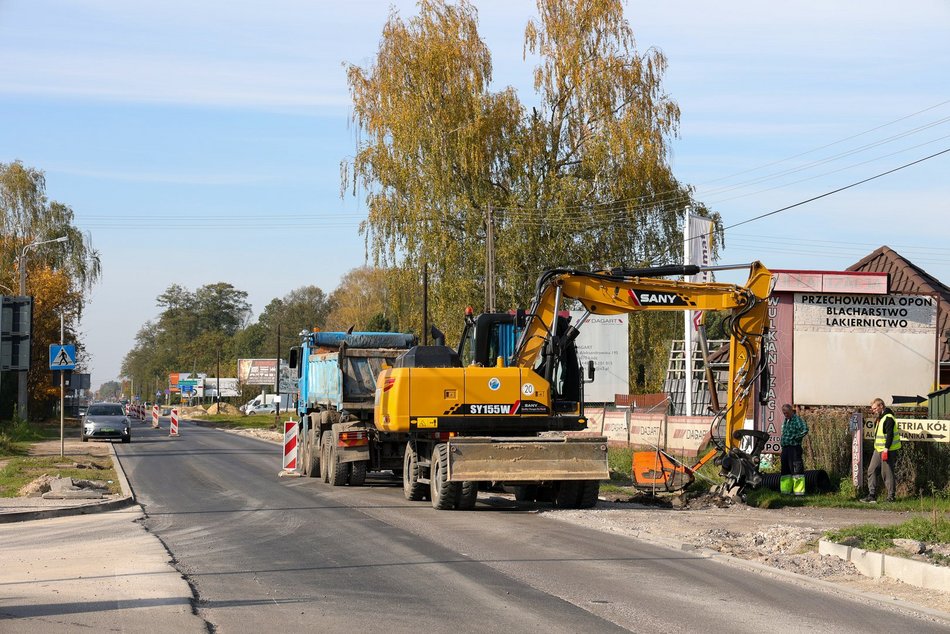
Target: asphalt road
x: 263, y: 552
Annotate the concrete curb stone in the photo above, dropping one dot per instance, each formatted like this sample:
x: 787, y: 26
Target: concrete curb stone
x: 876, y: 565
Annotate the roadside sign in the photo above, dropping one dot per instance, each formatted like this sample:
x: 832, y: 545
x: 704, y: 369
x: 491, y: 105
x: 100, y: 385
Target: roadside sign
x: 915, y: 430
x: 62, y: 357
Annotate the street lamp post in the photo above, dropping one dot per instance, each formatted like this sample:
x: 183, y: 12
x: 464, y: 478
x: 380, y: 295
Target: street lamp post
x: 21, y: 386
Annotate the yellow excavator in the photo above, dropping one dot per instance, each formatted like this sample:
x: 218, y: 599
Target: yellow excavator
x: 506, y: 406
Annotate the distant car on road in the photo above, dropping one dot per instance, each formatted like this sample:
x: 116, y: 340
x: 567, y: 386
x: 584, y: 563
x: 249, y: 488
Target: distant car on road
x: 268, y: 408
x: 106, y: 421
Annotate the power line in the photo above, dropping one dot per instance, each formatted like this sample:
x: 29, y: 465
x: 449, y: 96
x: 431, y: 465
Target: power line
x: 835, y: 191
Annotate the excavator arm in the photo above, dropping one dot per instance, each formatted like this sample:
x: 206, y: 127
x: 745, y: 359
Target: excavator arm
x: 618, y: 291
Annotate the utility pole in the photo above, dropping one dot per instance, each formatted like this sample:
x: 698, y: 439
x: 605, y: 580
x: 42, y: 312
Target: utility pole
x: 277, y: 382
x: 62, y: 395
x: 490, y: 260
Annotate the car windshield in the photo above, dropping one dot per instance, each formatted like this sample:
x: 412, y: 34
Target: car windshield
x: 105, y: 410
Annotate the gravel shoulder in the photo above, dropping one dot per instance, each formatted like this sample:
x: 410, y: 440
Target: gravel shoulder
x: 785, y: 539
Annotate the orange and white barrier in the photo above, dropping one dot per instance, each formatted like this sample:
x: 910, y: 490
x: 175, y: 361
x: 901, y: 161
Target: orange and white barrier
x: 290, y: 445
x: 155, y: 416
x: 173, y: 428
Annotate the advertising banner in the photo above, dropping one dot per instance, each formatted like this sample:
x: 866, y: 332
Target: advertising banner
x: 604, y: 340
x: 615, y: 427
x: 264, y: 372
x: 648, y: 430
x: 686, y: 435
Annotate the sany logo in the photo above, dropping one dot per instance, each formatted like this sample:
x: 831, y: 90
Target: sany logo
x: 494, y: 383
x: 646, y: 298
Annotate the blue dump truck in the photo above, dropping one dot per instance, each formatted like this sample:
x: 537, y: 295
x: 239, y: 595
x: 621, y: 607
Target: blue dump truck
x: 337, y: 374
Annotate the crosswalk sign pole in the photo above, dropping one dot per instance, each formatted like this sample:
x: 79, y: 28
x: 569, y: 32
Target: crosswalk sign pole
x: 62, y: 398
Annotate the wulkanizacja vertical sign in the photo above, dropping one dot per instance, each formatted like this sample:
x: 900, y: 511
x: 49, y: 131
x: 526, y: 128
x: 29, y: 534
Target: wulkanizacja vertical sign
x: 778, y: 361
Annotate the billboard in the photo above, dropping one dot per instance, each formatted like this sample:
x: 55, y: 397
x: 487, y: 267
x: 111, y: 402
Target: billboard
x: 263, y: 372
x: 850, y: 349
x: 604, y: 340
x: 229, y: 387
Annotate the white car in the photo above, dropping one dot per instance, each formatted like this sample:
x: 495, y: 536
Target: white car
x: 267, y: 408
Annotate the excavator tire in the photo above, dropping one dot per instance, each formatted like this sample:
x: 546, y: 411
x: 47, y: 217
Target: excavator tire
x: 468, y: 493
x: 568, y: 494
x: 357, y: 473
x: 526, y: 492
x: 590, y: 490
x: 444, y: 493
x: 411, y: 487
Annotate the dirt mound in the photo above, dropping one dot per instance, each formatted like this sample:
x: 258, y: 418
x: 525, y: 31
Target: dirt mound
x: 36, y: 488
x: 189, y: 412
x: 225, y: 408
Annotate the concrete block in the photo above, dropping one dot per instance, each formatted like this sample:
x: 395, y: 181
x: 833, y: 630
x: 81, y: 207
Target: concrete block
x: 868, y: 564
x: 936, y: 578
x: 906, y: 570
x: 831, y: 548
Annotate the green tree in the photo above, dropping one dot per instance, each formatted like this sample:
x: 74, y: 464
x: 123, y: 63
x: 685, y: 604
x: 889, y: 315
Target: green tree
x: 303, y: 308
x: 581, y: 180
x: 195, y: 331
x: 110, y: 390
x: 362, y: 293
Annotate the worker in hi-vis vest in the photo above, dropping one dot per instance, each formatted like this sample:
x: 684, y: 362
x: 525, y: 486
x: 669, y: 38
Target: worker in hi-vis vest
x: 794, y: 430
x: 887, y: 442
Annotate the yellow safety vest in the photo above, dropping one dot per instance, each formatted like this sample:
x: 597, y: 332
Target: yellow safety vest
x: 880, y: 437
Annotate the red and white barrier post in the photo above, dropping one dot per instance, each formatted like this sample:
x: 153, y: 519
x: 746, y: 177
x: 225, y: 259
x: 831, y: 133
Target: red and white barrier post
x: 290, y: 445
x: 155, y: 416
x: 173, y: 428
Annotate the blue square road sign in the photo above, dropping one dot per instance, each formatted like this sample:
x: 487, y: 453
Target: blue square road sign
x: 62, y: 357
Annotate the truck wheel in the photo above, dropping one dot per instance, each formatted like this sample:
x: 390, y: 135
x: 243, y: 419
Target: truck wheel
x: 357, y: 473
x: 312, y: 464
x: 590, y: 489
x: 327, y: 440
x: 411, y: 488
x: 468, y: 493
x: 444, y: 493
x: 568, y: 494
x: 339, y: 471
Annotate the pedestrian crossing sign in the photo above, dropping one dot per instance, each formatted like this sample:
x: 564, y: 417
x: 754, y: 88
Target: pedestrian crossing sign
x: 62, y: 357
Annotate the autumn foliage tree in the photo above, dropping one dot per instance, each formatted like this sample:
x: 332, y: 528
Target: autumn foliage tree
x: 58, y: 275
x: 580, y: 179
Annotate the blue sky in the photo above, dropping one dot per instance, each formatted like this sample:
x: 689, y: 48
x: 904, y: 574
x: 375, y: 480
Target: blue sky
x: 197, y: 141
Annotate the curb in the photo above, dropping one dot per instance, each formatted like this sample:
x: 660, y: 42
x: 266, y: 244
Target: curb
x: 877, y: 565
x: 127, y: 499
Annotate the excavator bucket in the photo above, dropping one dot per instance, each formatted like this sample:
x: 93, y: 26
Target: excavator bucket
x: 656, y: 471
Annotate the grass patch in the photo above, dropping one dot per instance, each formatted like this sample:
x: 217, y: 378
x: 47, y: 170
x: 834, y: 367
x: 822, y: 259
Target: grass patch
x: 21, y: 470
x: 17, y: 435
x: 620, y: 462
x: 254, y: 421
x: 878, y: 538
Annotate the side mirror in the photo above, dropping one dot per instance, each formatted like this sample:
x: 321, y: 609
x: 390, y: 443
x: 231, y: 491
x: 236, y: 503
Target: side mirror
x: 590, y: 371
x: 293, y: 358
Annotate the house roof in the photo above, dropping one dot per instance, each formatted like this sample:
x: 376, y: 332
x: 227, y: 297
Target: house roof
x: 909, y: 279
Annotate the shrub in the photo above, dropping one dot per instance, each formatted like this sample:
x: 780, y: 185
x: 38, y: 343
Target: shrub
x: 828, y: 444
